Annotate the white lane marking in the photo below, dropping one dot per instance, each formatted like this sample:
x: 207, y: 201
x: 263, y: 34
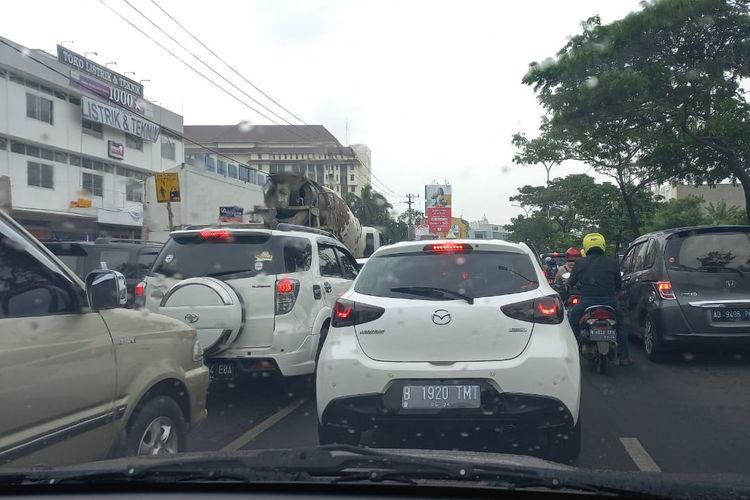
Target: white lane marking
x: 639, y: 455
x: 262, y: 427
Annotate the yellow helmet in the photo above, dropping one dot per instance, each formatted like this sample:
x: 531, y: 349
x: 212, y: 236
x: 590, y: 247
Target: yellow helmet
x: 593, y: 240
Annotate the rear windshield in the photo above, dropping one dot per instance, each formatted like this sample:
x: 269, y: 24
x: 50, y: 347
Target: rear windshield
x: 709, y: 252
x: 73, y: 255
x: 476, y: 274
x: 245, y: 256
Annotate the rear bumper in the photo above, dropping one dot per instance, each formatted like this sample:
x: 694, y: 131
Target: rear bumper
x: 509, y: 414
x: 196, y: 381
x: 288, y: 364
x: 674, y: 330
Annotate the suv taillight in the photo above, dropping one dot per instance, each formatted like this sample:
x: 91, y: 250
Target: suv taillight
x: 287, y: 290
x: 140, y: 289
x: 139, y: 299
x: 348, y: 313
x: 547, y: 310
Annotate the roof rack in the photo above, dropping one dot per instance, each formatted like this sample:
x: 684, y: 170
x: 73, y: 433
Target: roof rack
x: 295, y: 227
x: 105, y: 239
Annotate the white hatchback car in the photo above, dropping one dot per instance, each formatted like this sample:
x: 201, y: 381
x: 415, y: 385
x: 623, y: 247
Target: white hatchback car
x: 464, y: 335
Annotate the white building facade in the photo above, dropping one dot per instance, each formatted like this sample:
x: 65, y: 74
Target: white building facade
x: 251, y: 152
x: 484, y: 230
x: 66, y: 176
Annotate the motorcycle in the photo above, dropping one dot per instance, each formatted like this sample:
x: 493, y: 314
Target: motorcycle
x: 598, y: 339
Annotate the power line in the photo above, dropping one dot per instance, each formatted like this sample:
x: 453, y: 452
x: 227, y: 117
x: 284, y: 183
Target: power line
x: 206, y: 65
x: 171, y: 131
x: 224, y: 62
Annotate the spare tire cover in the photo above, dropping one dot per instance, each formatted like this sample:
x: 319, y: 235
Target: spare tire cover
x: 210, y: 306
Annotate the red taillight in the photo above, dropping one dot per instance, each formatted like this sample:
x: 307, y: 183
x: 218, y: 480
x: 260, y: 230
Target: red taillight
x: 448, y: 248
x: 548, y: 306
x: 601, y: 314
x: 546, y: 310
x: 348, y: 313
x: 574, y: 300
x: 287, y: 290
x: 140, y: 289
x: 215, y: 234
x: 665, y: 290
x: 285, y: 286
x: 343, y: 310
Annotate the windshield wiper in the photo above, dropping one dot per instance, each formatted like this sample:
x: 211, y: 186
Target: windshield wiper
x: 509, y: 270
x: 431, y: 291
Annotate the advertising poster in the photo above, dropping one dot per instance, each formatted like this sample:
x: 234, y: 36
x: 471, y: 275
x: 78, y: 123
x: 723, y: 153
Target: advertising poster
x: 231, y: 214
x: 438, y: 207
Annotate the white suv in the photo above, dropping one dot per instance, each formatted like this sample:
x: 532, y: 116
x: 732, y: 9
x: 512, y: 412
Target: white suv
x: 465, y: 336
x: 260, y: 299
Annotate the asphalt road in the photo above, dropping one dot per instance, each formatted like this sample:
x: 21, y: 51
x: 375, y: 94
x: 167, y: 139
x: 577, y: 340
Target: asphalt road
x: 689, y: 414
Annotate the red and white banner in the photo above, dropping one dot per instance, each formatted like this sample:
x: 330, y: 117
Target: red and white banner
x: 438, y: 207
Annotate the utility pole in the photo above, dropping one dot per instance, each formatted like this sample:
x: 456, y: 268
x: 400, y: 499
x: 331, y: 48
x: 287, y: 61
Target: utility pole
x: 409, y: 201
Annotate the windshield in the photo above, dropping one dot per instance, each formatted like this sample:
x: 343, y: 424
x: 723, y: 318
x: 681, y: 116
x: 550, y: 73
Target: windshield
x: 476, y: 274
x: 232, y: 227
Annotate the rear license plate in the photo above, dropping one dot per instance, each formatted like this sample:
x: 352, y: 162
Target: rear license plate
x: 602, y: 335
x: 730, y: 315
x: 422, y: 397
x: 221, y: 371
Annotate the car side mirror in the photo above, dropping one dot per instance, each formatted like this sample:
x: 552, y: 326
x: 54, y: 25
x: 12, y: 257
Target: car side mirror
x: 106, y: 289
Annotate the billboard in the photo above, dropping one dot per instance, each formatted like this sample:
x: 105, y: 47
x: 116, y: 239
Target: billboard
x: 231, y: 214
x: 167, y: 187
x: 118, y: 118
x: 438, y: 207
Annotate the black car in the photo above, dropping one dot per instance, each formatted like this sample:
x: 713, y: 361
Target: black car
x: 133, y: 258
x: 688, y: 286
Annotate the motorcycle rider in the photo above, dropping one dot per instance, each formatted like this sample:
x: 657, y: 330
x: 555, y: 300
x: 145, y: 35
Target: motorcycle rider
x: 551, y: 270
x: 599, y: 280
x: 572, y: 254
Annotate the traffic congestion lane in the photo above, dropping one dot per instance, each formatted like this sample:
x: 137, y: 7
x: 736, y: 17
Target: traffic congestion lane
x: 685, y: 415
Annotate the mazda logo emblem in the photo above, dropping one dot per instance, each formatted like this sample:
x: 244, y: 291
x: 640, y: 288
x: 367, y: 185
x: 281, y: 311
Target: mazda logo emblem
x: 192, y: 318
x: 441, y: 317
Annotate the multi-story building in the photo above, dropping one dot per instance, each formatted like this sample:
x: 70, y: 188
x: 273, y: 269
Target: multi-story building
x: 73, y: 157
x: 732, y: 195
x: 483, y: 230
x: 266, y: 149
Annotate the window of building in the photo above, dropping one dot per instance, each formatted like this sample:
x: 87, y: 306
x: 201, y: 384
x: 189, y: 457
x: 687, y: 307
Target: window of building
x: 93, y: 183
x: 210, y: 163
x: 3, y: 143
x: 61, y: 157
x: 32, y: 151
x: 75, y: 100
x: 351, y: 177
x: 233, y: 171
x: 244, y: 174
x: 352, y: 189
x: 134, y: 191
x: 47, y: 154
x: 221, y: 169
x: 168, y: 149
x: 40, y: 175
x: 14, y: 77
x: 75, y: 160
x: 92, y: 128
x: 133, y: 142
x: 39, y: 108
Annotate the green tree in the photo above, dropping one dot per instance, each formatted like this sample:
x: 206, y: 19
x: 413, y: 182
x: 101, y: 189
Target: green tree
x: 371, y: 207
x: 539, y: 230
x: 679, y: 212
x: 723, y: 214
x: 545, y: 151
x: 665, y: 81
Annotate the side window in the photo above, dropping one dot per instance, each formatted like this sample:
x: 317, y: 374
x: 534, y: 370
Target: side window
x: 297, y: 255
x: 649, y: 257
x: 640, y: 253
x: 369, y: 244
x: 348, y: 264
x: 329, y: 265
x: 627, y: 262
x: 28, y: 287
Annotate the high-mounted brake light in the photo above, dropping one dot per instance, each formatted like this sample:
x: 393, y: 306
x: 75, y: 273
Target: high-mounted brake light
x: 215, y: 234
x: 665, y: 290
x: 448, y: 248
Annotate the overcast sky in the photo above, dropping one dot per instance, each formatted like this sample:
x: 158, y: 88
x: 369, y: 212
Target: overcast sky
x: 432, y: 87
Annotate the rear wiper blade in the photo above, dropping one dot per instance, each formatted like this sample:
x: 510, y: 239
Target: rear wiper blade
x: 509, y: 270
x: 431, y: 290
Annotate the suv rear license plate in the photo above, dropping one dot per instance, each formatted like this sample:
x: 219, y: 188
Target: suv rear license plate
x: 730, y: 315
x: 430, y: 397
x: 221, y: 370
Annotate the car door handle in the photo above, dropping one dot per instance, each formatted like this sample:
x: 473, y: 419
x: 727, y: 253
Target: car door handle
x: 317, y: 293
x: 327, y: 286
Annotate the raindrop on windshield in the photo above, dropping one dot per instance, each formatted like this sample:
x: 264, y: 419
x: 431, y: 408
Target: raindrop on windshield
x: 592, y: 82
x: 245, y: 126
